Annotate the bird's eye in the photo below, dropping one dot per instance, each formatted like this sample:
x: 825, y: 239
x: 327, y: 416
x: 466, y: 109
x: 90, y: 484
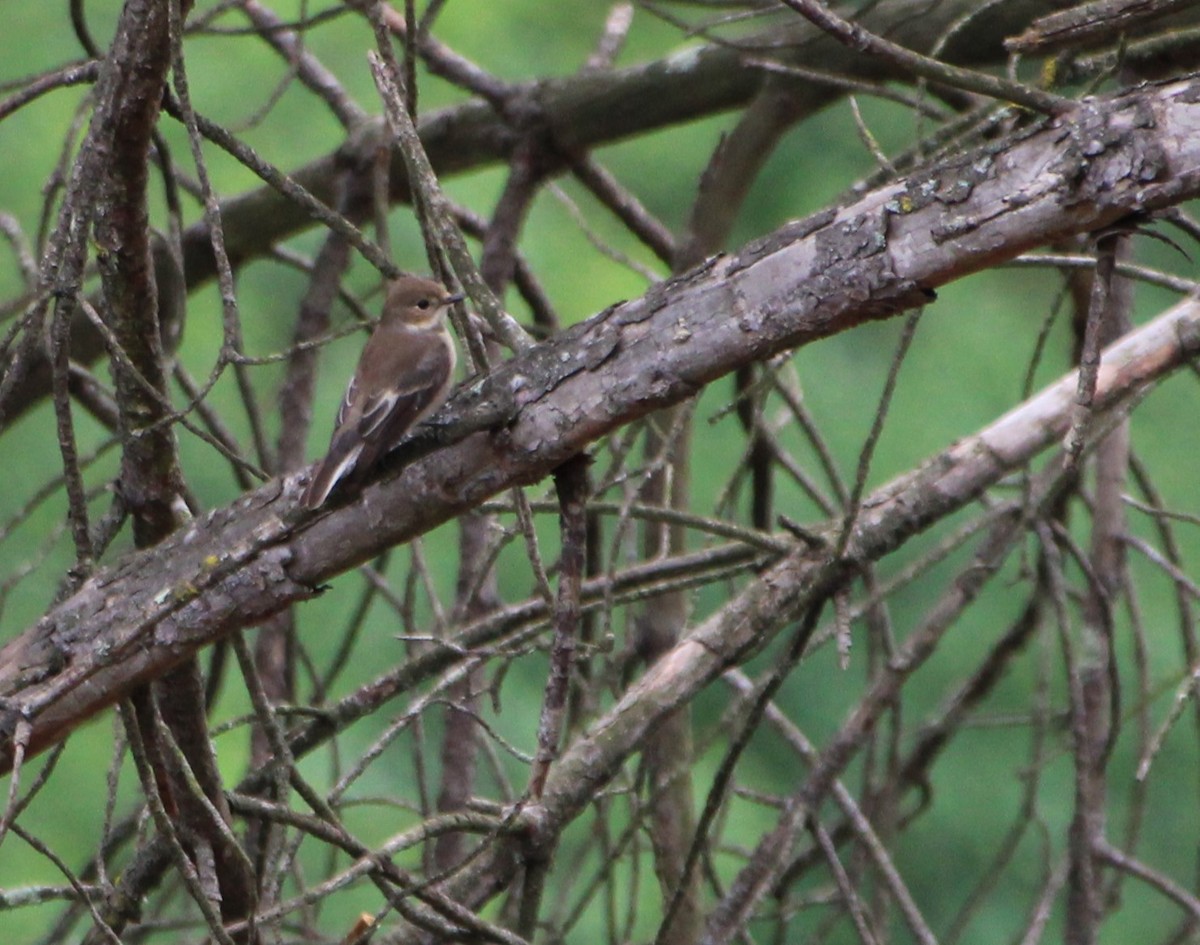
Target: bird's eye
x: 423, y: 304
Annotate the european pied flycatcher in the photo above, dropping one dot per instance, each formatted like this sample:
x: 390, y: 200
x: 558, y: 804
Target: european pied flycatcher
x: 405, y: 372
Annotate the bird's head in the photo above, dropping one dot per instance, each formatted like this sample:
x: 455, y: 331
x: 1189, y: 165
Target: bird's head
x: 417, y: 303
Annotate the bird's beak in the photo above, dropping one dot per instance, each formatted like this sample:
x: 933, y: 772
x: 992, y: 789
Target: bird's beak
x: 451, y: 299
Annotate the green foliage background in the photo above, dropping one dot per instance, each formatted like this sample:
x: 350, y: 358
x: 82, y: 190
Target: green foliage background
x: 966, y: 367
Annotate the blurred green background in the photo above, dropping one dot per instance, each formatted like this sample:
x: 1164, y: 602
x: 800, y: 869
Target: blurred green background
x: 967, y: 366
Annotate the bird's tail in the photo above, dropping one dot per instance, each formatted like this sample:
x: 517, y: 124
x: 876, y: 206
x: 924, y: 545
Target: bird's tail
x: 330, y: 471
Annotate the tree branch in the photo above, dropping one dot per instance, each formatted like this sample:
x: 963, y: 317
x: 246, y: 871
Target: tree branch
x: 882, y: 254
x: 583, y: 111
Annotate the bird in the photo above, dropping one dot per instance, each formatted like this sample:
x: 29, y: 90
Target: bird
x: 404, y: 374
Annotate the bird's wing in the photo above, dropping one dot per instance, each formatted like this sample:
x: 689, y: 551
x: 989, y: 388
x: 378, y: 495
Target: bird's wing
x: 388, y: 414
x: 372, y: 420
x: 347, y: 403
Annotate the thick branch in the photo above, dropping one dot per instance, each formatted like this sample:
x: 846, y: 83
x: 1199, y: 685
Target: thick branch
x: 890, y: 516
x: 582, y: 111
x: 813, y: 278
x: 130, y: 88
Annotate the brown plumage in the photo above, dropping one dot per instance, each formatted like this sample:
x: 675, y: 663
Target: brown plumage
x: 405, y: 372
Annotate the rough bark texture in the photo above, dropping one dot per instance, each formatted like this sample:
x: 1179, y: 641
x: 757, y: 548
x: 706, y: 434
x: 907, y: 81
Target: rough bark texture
x: 868, y: 260
x: 583, y: 111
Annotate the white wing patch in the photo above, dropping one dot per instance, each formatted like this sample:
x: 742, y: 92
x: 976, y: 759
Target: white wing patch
x: 347, y: 401
x: 377, y: 412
